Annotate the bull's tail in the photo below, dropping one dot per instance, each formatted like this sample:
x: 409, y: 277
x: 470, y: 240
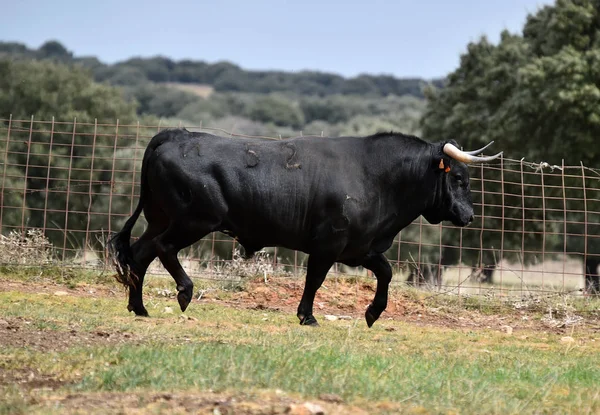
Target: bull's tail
x: 119, y: 248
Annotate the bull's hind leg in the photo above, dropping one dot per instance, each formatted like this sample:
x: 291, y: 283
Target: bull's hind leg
x: 316, y: 271
x: 178, y: 236
x: 144, y: 252
x: 380, y: 266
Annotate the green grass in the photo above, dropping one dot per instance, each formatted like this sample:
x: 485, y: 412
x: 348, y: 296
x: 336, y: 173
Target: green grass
x: 434, y: 369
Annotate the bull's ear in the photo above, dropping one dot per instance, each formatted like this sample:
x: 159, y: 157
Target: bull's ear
x: 441, y: 162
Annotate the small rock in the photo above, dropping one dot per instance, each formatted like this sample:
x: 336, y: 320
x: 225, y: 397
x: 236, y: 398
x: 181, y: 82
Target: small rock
x: 314, y: 409
x: 567, y: 340
x: 165, y: 396
x: 305, y: 409
x: 507, y: 329
x: 60, y: 293
x: 345, y: 317
x: 168, y: 310
x: 390, y: 329
x: 330, y: 317
x: 331, y: 397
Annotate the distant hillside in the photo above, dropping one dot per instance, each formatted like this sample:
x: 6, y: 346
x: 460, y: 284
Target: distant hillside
x: 203, y: 91
x: 223, y: 76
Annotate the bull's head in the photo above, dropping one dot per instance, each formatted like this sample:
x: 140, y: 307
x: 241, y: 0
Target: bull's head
x: 453, y: 192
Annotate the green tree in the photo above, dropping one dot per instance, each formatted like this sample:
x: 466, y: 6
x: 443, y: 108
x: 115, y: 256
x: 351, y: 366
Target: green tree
x: 55, y: 50
x: 537, y: 95
x: 46, y: 90
x: 160, y: 100
x: 276, y: 110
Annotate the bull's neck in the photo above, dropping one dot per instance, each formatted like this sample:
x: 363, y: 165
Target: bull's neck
x: 416, y: 193
x: 413, y: 184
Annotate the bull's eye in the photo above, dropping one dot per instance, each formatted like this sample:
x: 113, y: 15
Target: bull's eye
x: 459, y: 178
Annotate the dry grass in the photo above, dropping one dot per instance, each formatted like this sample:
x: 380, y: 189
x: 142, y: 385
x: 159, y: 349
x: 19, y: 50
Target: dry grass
x: 30, y: 248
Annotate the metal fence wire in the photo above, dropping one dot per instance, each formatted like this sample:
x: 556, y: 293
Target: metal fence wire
x: 66, y: 185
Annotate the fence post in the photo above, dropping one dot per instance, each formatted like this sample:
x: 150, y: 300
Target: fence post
x: 66, y: 230
x: 544, y: 227
x: 48, y: 175
x: 135, y: 150
x: 522, y: 226
x: 112, y: 178
x: 481, y: 265
x: 24, y: 206
x: 398, y: 260
x: 419, y: 263
x: 564, y: 223
x: 502, y: 220
x: 90, y: 191
x: 4, y: 174
x: 460, y: 249
x: 439, y: 265
x: 585, y: 230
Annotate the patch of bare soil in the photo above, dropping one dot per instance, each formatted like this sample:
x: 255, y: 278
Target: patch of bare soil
x: 194, y: 402
x: 336, y: 297
x: 51, y: 287
x: 29, y: 379
x: 16, y: 332
x: 341, y: 298
x: 19, y: 332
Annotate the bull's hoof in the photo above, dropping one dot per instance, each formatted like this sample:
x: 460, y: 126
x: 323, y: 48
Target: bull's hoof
x: 139, y: 311
x: 184, y: 297
x: 371, y: 316
x: 309, y: 321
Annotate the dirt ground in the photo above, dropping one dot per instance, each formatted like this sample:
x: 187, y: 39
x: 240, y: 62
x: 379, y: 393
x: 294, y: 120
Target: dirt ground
x: 345, y: 300
x: 199, y: 403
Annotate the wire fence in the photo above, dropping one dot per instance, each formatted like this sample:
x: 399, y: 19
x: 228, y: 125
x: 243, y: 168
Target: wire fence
x: 66, y: 185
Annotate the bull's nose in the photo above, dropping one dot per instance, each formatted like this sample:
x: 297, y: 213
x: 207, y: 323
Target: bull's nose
x: 471, y: 219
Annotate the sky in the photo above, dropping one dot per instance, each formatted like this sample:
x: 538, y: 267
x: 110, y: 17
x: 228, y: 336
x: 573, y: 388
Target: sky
x: 406, y: 38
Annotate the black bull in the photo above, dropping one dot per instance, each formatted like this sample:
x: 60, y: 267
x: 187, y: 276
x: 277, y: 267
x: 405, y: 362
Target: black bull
x: 338, y: 199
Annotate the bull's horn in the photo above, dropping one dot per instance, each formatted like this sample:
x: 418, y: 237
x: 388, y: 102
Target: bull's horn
x: 481, y: 150
x: 465, y: 157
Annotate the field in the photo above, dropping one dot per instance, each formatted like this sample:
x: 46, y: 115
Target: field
x: 68, y: 345
x: 201, y: 90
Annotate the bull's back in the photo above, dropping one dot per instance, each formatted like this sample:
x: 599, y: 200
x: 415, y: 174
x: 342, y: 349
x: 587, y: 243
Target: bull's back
x: 279, y: 191
x: 263, y: 191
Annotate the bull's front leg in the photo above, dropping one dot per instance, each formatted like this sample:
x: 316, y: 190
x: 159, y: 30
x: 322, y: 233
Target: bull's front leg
x: 316, y: 271
x: 379, y: 265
